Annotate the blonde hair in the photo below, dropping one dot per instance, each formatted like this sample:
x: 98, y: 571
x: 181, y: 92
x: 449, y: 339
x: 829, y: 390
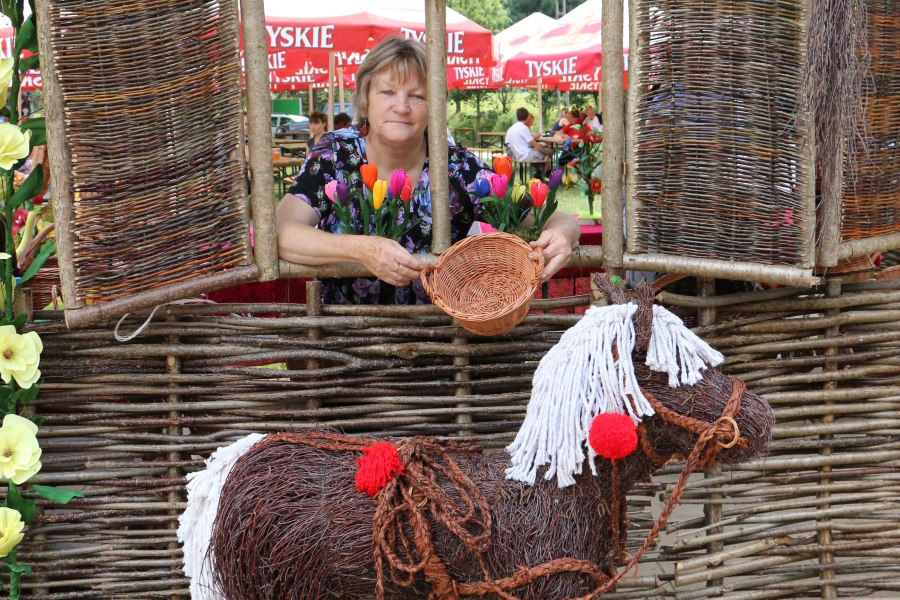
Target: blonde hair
x: 405, y: 59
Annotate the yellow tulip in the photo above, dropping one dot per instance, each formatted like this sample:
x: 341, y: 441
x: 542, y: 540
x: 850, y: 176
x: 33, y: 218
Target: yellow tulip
x: 379, y: 191
x: 20, y: 356
x: 20, y: 454
x: 13, y: 145
x: 518, y: 193
x: 11, y: 527
x: 6, y: 73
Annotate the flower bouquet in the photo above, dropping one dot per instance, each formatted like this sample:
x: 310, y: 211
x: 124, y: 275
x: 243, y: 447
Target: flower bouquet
x: 507, y: 203
x: 586, y: 147
x: 378, y: 200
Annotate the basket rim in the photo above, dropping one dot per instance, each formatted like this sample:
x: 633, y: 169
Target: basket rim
x: 475, y: 240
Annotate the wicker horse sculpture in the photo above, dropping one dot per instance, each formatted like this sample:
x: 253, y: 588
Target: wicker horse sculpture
x: 453, y: 522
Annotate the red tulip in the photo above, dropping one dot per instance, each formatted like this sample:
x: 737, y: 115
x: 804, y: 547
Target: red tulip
x: 539, y: 191
x: 406, y: 192
x: 398, y: 178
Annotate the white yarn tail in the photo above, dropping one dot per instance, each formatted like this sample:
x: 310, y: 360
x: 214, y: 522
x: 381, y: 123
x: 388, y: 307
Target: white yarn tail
x: 576, y: 380
x: 674, y: 347
x: 195, y: 526
x: 579, y: 379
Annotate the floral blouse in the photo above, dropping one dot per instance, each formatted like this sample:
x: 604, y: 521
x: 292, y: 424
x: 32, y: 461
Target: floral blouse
x: 340, y: 155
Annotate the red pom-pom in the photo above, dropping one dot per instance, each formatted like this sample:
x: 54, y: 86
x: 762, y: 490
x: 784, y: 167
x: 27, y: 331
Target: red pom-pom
x: 613, y: 436
x: 377, y: 466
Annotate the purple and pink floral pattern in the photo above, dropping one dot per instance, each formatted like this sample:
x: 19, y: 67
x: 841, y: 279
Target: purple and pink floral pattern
x: 338, y: 156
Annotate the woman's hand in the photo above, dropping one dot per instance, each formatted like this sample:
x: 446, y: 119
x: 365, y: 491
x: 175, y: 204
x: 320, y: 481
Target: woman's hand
x: 389, y: 261
x: 557, y: 250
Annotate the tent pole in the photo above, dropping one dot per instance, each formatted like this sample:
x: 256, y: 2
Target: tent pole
x: 540, y: 105
x: 341, y: 88
x: 311, y: 107
x: 259, y: 125
x: 611, y: 78
x: 331, y: 91
x: 436, y: 61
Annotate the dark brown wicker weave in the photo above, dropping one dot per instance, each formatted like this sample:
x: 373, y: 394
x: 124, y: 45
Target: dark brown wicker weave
x: 718, y: 162
x: 152, y: 101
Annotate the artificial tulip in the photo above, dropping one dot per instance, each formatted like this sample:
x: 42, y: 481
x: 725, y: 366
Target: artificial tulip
x: 498, y: 185
x: 369, y: 173
x: 398, y: 178
x: 555, y: 178
x: 539, y: 192
x: 379, y: 192
x: 518, y: 193
x: 329, y: 189
x: 503, y: 166
x: 406, y: 192
x: 342, y: 193
x: 482, y: 187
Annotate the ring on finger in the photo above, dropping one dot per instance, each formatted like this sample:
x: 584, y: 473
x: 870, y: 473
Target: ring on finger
x: 397, y: 270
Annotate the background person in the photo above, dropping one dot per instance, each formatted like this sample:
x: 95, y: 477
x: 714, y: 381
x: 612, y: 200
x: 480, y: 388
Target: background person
x: 591, y: 118
x: 390, y: 100
x: 522, y: 145
x: 318, y: 125
x: 342, y: 121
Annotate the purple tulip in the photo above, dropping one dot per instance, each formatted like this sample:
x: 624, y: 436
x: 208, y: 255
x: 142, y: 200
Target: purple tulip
x: 555, y: 178
x: 498, y: 184
x: 482, y: 187
x: 398, y: 178
x: 342, y: 193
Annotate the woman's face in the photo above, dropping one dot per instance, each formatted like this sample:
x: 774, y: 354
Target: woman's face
x: 398, y: 112
x: 316, y: 128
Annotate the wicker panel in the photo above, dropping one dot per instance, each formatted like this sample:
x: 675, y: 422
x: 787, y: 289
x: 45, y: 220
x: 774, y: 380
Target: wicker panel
x: 872, y: 203
x: 122, y: 426
x: 152, y: 99
x: 719, y: 166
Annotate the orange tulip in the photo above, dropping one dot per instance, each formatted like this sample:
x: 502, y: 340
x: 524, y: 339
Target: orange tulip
x: 503, y: 166
x: 369, y: 173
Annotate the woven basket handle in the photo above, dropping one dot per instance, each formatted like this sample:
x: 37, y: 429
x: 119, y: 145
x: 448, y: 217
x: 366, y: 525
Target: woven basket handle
x: 28, y: 257
x: 423, y: 277
x: 538, y: 267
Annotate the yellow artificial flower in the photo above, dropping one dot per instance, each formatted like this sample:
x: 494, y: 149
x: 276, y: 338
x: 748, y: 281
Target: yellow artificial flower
x: 11, y: 527
x: 20, y: 454
x: 518, y: 193
x: 13, y: 145
x: 379, y: 191
x: 6, y: 73
x: 20, y: 356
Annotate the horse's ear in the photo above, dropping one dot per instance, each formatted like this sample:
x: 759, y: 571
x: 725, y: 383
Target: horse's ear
x: 605, y: 284
x: 643, y: 318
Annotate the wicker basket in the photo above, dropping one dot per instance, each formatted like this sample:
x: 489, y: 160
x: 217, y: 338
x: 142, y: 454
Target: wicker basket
x: 485, y: 282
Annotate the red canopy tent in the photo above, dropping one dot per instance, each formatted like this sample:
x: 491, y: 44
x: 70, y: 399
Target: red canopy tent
x: 465, y: 75
x: 568, y: 56
x: 32, y: 80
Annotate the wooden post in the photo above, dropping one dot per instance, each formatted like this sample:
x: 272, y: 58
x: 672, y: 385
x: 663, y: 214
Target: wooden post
x: 462, y: 391
x: 436, y: 50
x: 60, y: 159
x: 612, y: 83
x: 706, y: 286
x: 331, y: 91
x: 313, y: 309
x: 806, y: 170
x: 823, y: 536
x: 540, y: 105
x: 173, y: 367
x: 631, y: 126
x: 259, y: 125
x: 312, y: 104
x: 340, y: 76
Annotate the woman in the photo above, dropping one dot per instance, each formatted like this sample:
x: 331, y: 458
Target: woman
x: 561, y: 120
x: 318, y: 125
x: 390, y: 100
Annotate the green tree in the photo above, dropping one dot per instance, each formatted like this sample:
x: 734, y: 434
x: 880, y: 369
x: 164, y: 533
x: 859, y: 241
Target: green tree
x: 519, y: 9
x: 490, y: 14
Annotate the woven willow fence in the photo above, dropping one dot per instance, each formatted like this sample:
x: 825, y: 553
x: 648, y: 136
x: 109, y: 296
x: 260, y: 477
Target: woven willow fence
x: 872, y: 202
x: 721, y: 170
x: 151, y: 93
x: 127, y: 421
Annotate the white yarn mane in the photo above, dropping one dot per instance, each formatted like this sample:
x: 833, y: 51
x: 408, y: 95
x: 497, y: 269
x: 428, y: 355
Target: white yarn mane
x: 579, y: 379
x: 195, y: 525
